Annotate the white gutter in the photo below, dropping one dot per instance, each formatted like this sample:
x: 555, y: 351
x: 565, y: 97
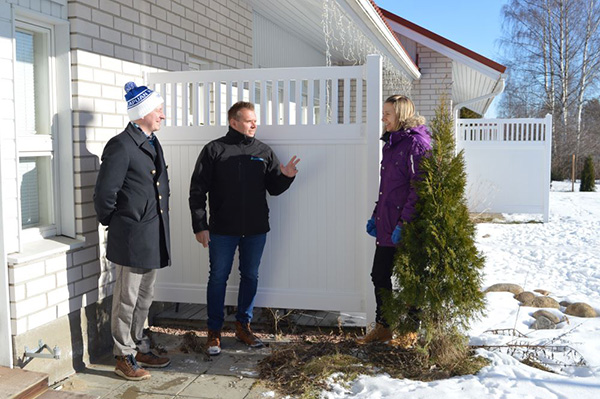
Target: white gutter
x: 497, y: 91
x: 380, y: 33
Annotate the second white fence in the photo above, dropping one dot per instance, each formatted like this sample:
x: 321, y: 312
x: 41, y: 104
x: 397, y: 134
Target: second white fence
x: 508, y: 164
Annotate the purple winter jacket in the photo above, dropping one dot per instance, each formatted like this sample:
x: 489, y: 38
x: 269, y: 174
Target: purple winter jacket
x: 402, y: 153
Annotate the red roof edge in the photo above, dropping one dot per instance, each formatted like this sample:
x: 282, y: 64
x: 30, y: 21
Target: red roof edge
x: 379, y: 11
x: 442, y: 40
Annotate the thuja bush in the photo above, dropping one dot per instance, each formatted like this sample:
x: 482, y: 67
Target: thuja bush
x: 588, y: 178
x: 437, y: 266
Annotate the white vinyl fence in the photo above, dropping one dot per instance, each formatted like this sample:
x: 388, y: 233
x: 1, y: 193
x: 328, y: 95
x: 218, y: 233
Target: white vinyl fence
x: 508, y: 164
x: 318, y: 255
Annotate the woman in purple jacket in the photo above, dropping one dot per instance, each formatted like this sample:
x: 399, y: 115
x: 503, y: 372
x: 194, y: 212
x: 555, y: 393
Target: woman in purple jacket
x: 406, y: 140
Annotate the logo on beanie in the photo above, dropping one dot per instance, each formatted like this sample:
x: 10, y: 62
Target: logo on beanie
x: 140, y: 100
x: 139, y: 94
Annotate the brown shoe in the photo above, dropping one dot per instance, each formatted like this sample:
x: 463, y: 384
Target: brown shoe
x: 213, y: 342
x: 151, y: 360
x: 244, y: 333
x: 128, y: 368
x: 379, y: 333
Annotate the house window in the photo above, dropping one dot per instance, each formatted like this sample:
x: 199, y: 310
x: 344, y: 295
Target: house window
x: 35, y: 103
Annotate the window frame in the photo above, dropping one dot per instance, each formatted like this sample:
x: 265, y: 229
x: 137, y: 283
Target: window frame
x: 40, y: 144
x: 61, y: 129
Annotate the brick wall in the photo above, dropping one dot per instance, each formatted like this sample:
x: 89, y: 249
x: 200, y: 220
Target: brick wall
x: 436, y: 80
x: 164, y: 33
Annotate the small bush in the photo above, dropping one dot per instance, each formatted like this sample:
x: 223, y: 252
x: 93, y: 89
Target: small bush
x: 588, y: 177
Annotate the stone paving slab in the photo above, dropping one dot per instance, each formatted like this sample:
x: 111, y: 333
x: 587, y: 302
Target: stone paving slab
x: 218, y: 387
x: 231, y: 375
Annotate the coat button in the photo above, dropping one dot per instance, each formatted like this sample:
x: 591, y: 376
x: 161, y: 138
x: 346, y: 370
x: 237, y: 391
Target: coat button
x: 160, y: 197
x: 153, y: 171
x: 161, y: 211
x: 158, y: 183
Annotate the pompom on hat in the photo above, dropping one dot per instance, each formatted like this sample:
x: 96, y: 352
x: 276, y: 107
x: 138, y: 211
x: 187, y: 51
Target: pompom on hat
x: 140, y: 100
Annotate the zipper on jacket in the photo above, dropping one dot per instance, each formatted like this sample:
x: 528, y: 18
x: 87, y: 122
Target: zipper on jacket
x: 242, y: 185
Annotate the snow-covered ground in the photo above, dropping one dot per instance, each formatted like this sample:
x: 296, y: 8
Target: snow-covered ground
x: 561, y: 256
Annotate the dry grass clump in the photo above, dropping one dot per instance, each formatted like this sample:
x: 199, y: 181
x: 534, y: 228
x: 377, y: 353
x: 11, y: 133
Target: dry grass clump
x: 302, y: 368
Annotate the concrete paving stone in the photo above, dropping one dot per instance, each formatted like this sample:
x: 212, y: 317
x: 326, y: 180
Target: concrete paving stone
x: 218, y: 387
x: 191, y: 363
x: 96, y: 379
x: 240, y: 364
x: 133, y: 392
x: 161, y: 382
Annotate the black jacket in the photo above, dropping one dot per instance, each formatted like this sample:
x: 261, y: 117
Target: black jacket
x: 236, y: 172
x: 132, y: 198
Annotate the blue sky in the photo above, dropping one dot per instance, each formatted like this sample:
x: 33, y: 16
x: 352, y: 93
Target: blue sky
x: 474, y: 24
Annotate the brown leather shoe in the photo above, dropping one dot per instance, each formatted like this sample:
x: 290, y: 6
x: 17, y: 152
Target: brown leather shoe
x: 213, y: 342
x: 244, y: 333
x: 128, y: 368
x: 379, y: 333
x: 151, y: 360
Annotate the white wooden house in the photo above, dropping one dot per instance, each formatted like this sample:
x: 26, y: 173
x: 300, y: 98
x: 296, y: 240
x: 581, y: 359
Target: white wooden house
x: 63, y: 66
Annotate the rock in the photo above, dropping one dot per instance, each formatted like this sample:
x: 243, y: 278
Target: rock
x: 547, y: 314
x: 525, y: 297
x: 542, y: 292
x: 505, y: 287
x: 544, y: 302
x: 581, y: 309
x: 543, y: 323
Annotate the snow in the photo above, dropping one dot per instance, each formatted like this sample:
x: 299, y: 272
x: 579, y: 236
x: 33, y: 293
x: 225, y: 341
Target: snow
x: 560, y: 256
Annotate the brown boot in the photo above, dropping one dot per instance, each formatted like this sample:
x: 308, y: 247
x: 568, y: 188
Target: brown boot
x: 151, y: 360
x: 213, y: 342
x: 379, y: 333
x: 244, y: 333
x: 128, y: 368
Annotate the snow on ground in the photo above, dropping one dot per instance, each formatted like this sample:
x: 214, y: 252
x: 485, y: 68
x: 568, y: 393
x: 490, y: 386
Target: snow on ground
x: 561, y: 256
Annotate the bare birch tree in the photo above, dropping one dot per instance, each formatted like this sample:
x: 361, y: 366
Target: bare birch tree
x: 553, y: 54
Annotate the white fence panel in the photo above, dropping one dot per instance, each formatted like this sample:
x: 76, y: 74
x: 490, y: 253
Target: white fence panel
x: 507, y: 163
x: 318, y: 255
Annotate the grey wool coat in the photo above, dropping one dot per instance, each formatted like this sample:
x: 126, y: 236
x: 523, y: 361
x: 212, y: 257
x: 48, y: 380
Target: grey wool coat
x: 132, y: 198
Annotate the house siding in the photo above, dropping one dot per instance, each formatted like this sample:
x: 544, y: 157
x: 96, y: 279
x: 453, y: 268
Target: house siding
x: 275, y: 47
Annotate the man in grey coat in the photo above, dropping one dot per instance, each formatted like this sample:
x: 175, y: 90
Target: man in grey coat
x: 132, y: 198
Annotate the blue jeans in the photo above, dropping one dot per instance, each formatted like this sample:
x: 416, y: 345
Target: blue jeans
x: 221, y: 252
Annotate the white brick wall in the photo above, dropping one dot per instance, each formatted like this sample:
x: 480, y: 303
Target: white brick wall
x: 39, y: 288
x: 436, y: 80
x: 162, y: 33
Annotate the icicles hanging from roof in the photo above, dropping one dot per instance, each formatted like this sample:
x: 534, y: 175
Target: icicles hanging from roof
x: 343, y: 38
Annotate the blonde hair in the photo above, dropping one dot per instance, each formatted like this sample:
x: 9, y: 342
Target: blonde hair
x: 404, y: 109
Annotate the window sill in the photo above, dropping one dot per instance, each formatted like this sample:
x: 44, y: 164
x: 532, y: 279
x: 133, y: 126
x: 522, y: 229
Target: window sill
x: 45, y: 248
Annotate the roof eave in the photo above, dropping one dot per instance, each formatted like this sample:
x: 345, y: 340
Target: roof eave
x: 452, y: 49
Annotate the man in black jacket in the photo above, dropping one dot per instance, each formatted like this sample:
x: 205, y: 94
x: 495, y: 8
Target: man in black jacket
x: 132, y: 198
x: 235, y: 171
